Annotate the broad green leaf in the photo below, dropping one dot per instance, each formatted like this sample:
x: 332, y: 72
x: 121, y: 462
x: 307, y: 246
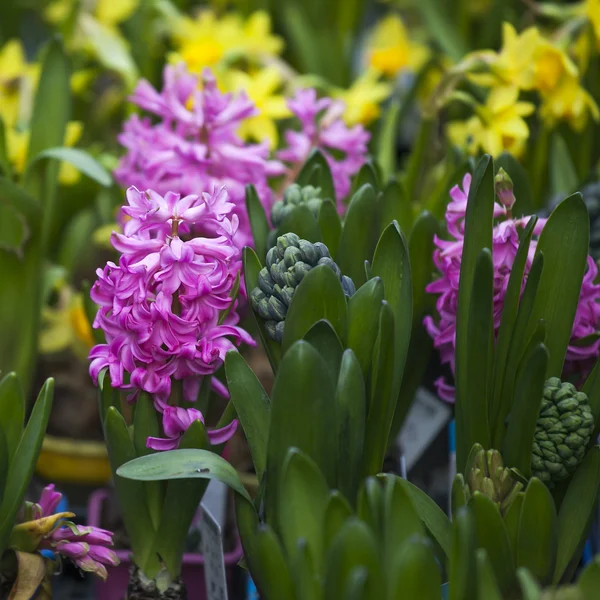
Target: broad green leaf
x: 316, y: 172
x: 458, y: 494
x: 356, y: 587
x: 306, y: 580
x: 512, y: 520
x: 80, y: 159
x: 529, y: 586
x: 359, y: 235
x: 524, y: 204
x: 576, y: 510
x: 331, y: 226
x: 420, y: 250
x: 486, y: 581
x: 301, y: 222
x: 383, y: 395
x: 302, y: 502
x: 463, y: 568
x: 252, y: 267
x: 4, y: 465
x: 387, y: 138
x: 353, y: 546
x: 493, y: 537
x: 369, y: 506
x: 258, y: 222
x: 337, y: 512
x: 107, y: 395
x: 523, y: 417
x: 443, y: 30
x: 563, y: 175
x: 12, y: 412
x: 302, y: 415
x: 415, y: 574
x: 178, y: 503
x: 252, y: 406
x: 24, y: 460
x: 136, y: 516
x: 322, y: 336
x: 366, y: 174
x: 478, y: 235
x: 318, y: 296
x: 14, y: 231
x: 536, y: 542
x: 564, y: 244
x: 498, y: 409
x: 420, y: 151
x: 19, y: 199
x: 396, y: 206
x: 589, y: 580
x: 75, y: 247
x: 363, y: 319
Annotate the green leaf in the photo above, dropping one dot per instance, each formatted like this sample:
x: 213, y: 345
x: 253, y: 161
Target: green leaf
x: 356, y: 584
x: 322, y: 336
x: 462, y: 572
x: 24, y: 460
x: 524, y: 204
x: 576, y: 510
x: 337, y: 512
x: 16, y: 197
x: 486, y: 581
x: 493, y: 537
x: 383, y: 396
x: 5, y: 166
x: 359, y: 235
x: 302, y: 415
x: 529, y: 586
x: 563, y: 175
x: 500, y: 405
x: 396, y: 206
x: 363, y: 319
x: 512, y: 520
x: 589, y: 580
x: 330, y: 225
x: 417, y: 159
x: 536, y: 542
x: 318, y: 296
x: 252, y: 267
x: 252, y: 406
x: 12, y: 412
x: 136, y: 516
x: 366, y: 174
x: 4, y: 465
x: 81, y: 160
x: 258, y: 222
x: 420, y: 250
x: 350, y: 408
x: 107, y: 395
x: 478, y: 230
x: 442, y: 29
x: 386, y: 140
x: 14, y: 231
x: 307, y: 583
x: 302, y: 502
x: 564, y: 244
x: 301, y: 222
x: 458, y: 495
x: 529, y: 389
x: 592, y: 389
x: 316, y: 172
x: 415, y: 574
x: 369, y: 506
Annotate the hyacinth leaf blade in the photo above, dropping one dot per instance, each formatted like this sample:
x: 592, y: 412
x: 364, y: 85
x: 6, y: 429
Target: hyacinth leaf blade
x: 330, y: 225
x: 252, y: 405
x: 530, y: 588
x: 303, y: 568
x: 391, y: 263
x: 107, y: 395
x: 512, y: 521
x: 12, y: 413
x: 370, y: 503
x: 478, y: 235
x: 179, y: 504
x: 324, y: 338
x: 395, y: 206
x: 136, y: 516
x: 524, y: 201
x: 592, y: 389
x: 359, y: 234
x: 301, y: 222
x: 316, y: 172
x: 363, y: 319
x: 463, y: 568
x: 536, y: 542
x: 252, y: 267
x: 302, y: 501
x: 366, y: 175
x: 458, y: 495
x: 91, y: 308
x: 589, y: 580
x: 357, y: 584
x: 529, y: 389
x: 258, y: 222
x: 318, y: 296
x: 355, y: 545
x: 415, y: 574
x: 24, y: 460
x: 498, y: 409
x: 562, y: 171
x: 564, y: 243
x: 480, y: 352
x: 493, y: 537
x: 5, y: 166
x: 302, y: 415
x: 386, y: 138
x: 350, y: 405
x: 487, y: 585
x: 336, y: 513
x: 383, y: 394
x: 576, y: 512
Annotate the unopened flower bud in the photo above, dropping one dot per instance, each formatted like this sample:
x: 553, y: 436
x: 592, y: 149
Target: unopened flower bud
x: 504, y: 188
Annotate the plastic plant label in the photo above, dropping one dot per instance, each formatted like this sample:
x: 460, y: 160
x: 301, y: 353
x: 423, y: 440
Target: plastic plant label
x: 425, y: 420
x: 214, y: 560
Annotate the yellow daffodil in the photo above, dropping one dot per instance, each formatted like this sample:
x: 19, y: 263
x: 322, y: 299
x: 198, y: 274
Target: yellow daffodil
x: 390, y: 49
x: 107, y: 12
x: 569, y: 102
x: 263, y: 88
x: 363, y: 98
x: 496, y: 126
x: 208, y: 40
x: 591, y: 9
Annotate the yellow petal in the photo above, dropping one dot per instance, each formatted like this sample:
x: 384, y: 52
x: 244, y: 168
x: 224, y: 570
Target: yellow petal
x: 12, y: 60
x: 276, y: 107
x: 112, y: 12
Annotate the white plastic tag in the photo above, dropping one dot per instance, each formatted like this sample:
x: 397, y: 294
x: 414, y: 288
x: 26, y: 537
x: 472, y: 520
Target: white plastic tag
x: 214, y: 560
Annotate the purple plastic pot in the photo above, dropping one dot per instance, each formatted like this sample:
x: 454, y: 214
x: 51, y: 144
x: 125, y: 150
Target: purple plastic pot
x: 115, y: 587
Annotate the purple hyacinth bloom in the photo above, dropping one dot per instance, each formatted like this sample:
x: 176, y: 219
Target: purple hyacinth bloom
x: 322, y: 127
x: 49, y: 501
x: 193, y: 146
x: 505, y: 242
x: 88, y: 557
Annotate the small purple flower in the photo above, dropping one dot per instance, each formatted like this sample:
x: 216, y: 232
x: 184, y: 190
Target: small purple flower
x: 49, y: 501
x: 90, y: 558
x: 322, y: 127
x: 505, y: 242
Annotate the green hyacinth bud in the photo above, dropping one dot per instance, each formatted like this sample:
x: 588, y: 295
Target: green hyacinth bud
x: 288, y: 261
x: 562, y: 433
x: 293, y: 196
